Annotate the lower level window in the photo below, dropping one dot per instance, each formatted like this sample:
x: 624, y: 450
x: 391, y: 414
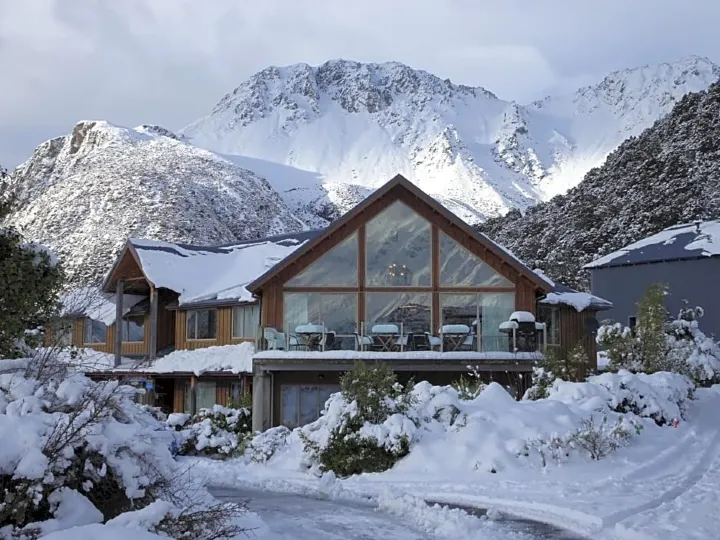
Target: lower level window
x: 205, y: 393
x: 302, y: 405
x: 62, y: 333
x: 133, y: 328
x: 202, y: 324
x: 94, y: 331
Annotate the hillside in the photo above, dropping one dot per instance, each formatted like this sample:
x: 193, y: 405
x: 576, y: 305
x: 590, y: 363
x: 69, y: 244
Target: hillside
x: 348, y: 127
x: 669, y: 174
x: 85, y: 193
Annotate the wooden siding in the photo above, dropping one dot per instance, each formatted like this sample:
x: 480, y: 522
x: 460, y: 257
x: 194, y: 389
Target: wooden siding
x: 223, y: 336
x: 573, y: 330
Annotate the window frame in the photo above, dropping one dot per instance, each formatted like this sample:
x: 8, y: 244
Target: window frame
x: 244, y: 308
x: 124, y: 333
x: 188, y: 314
x: 320, y: 406
x: 88, y: 320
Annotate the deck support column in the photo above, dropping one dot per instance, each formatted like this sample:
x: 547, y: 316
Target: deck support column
x: 119, y: 291
x: 153, y: 322
x: 261, y: 400
x: 193, y: 395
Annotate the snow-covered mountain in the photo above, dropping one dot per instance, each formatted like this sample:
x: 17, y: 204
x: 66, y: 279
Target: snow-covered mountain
x: 84, y: 194
x: 346, y: 127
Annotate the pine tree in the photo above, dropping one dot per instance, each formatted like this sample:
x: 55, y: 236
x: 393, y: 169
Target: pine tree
x: 652, y: 319
x: 30, y: 282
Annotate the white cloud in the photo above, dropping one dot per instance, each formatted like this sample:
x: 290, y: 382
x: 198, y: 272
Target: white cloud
x: 169, y: 61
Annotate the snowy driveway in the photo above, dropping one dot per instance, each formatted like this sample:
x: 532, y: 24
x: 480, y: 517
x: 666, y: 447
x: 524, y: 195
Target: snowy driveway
x: 300, y: 518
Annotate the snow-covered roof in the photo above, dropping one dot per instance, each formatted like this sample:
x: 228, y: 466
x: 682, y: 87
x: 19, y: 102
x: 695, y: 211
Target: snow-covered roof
x: 202, y: 274
x: 562, y: 294
x: 91, y: 302
x: 685, y: 241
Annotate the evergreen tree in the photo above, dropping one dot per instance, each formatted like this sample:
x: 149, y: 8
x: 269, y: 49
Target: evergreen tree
x: 652, y: 319
x: 30, y: 282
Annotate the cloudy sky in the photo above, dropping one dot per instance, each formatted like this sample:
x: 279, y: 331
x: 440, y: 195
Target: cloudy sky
x: 168, y: 61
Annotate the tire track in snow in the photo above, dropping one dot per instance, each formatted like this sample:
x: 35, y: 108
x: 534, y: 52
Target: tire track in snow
x: 711, y: 453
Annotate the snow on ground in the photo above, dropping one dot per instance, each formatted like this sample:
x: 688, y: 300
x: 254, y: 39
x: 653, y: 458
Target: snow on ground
x: 663, y: 485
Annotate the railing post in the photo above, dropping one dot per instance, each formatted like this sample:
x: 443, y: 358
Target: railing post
x: 119, y: 291
x: 402, y: 336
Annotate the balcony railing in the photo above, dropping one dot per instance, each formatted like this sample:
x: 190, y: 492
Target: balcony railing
x: 395, y: 338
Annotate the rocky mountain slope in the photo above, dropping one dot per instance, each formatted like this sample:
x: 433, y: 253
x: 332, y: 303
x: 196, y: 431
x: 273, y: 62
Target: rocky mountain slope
x: 85, y: 193
x: 669, y: 174
x: 347, y: 127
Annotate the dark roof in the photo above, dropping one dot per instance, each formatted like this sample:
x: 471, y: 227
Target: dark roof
x: 680, y: 242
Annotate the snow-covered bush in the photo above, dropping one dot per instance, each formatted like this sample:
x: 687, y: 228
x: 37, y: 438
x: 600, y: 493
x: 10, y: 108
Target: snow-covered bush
x: 574, y: 366
x: 219, y: 431
x: 364, y: 427
x: 660, y: 396
x: 593, y: 438
x: 470, y: 387
x: 691, y: 352
x: 264, y: 445
x: 76, y: 452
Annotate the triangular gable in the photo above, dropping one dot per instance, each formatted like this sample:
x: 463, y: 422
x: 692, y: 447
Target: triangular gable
x: 127, y: 265
x: 424, y: 205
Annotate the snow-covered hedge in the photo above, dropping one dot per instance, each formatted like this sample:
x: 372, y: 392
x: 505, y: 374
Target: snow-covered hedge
x: 219, y: 431
x: 660, y: 396
x: 76, y: 452
x: 437, y: 432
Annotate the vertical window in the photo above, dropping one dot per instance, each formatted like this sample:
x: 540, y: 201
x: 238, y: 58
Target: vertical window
x: 205, y: 394
x: 93, y: 331
x: 482, y: 313
x: 202, y: 324
x: 246, y: 320
x: 133, y: 328
x: 336, y: 268
x: 62, y: 333
x: 411, y: 310
x: 551, y: 317
x: 338, y: 312
x: 397, y: 248
x: 460, y: 268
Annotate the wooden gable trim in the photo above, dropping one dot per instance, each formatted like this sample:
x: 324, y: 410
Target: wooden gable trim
x: 399, y: 188
x: 108, y: 285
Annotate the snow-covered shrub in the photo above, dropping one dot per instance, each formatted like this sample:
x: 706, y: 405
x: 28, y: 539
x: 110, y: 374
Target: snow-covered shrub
x: 691, y: 352
x: 593, y: 438
x: 364, y: 427
x: 264, y: 445
x: 574, y: 366
x: 216, y: 432
x: 660, y: 396
x: 76, y: 452
x: 599, y: 439
x: 470, y: 387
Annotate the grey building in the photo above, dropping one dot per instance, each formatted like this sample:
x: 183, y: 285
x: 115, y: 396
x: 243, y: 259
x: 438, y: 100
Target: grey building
x: 685, y: 257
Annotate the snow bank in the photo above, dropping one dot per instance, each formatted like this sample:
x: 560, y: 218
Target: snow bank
x: 91, y: 302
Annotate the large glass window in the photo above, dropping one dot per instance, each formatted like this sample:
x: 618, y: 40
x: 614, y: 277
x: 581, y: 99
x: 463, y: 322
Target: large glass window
x: 337, y: 311
x: 246, y: 320
x: 398, y: 251
x: 550, y: 315
x: 336, y: 268
x: 133, y: 328
x: 413, y: 310
x: 93, y: 331
x: 202, y: 324
x: 460, y: 268
x: 301, y: 405
x: 482, y: 313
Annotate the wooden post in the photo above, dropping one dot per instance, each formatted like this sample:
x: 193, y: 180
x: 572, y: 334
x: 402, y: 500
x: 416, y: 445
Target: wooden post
x: 119, y: 291
x: 153, y: 322
x: 193, y: 395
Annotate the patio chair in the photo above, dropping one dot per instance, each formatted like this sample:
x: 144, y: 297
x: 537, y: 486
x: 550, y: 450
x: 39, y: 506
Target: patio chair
x: 419, y: 342
x: 274, y: 340
x: 329, y: 341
